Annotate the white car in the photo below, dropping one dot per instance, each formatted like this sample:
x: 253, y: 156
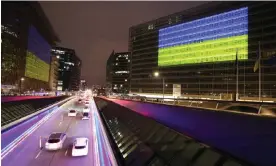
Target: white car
x: 55, y: 141
x: 85, y: 116
x: 72, y: 113
x: 80, y: 147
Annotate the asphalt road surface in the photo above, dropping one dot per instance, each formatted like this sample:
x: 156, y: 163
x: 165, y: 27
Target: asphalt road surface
x: 29, y: 153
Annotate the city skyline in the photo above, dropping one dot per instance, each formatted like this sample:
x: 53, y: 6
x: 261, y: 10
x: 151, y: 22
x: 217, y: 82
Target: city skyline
x: 94, y: 42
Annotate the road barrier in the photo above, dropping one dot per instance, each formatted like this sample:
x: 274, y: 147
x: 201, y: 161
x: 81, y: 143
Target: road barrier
x: 51, y: 110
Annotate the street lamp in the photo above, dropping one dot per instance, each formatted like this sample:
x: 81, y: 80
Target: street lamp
x: 20, y: 84
x: 156, y: 74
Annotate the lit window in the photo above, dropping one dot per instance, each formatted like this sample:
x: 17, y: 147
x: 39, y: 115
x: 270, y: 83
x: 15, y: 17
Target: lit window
x: 177, y: 18
x: 125, y: 80
x: 119, y: 72
x: 170, y: 21
x: 150, y: 26
x: 116, y: 64
x: 128, y: 60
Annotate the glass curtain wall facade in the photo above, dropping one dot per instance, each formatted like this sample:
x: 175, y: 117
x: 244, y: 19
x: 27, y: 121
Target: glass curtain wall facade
x: 197, y: 48
x: 69, y: 70
x: 27, y: 38
x: 117, y: 72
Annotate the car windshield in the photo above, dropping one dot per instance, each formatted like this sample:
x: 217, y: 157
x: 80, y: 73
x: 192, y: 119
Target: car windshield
x: 53, y: 140
x: 72, y: 111
x: 85, y: 114
x: 79, y: 147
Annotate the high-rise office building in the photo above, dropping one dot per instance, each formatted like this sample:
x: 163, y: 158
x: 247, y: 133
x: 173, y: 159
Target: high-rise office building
x: 53, y: 78
x: 83, y: 84
x: 196, y: 50
x: 27, y: 38
x: 117, y: 72
x: 69, y: 69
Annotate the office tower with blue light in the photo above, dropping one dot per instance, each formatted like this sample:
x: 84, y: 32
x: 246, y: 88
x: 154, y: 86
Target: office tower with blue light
x: 27, y: 38
x: 197, y: 49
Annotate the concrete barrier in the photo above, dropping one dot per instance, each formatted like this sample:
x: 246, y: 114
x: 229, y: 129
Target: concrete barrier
x: 244, y: 136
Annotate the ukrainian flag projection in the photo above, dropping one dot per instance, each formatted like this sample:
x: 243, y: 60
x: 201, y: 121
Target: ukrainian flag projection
x: 38, y: 56
x: 36, y: 68
x: 211, y: 39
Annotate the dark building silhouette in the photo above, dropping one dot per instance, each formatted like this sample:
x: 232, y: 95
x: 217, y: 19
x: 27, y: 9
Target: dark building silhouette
x: 26, y: 36
x: 69, y: 69
x: 179, y: 47
x: 117, y: 72
x: 83, y: 84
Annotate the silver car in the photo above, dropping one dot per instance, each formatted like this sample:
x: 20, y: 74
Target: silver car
x: 55, y: 141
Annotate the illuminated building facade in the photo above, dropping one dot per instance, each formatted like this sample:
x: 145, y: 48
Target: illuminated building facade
x: 69, y: 69
x: 117, y: 72
x: 197, y: 48
x: 27, y: 37
x: 53, y: 78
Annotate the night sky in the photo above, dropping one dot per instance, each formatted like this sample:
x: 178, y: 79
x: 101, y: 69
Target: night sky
x: 94, y: 29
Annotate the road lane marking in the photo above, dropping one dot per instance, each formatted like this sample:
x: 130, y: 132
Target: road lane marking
x: 38, y: 154
x: 59, y: 123
x: 66, y: 152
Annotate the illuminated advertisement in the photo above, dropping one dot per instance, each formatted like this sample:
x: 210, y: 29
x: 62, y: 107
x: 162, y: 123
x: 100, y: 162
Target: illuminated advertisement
x: 211, y: 39
x: 38, y: 56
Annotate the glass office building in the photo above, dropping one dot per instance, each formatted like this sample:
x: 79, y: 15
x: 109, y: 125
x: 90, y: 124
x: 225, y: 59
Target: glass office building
x: 69, y: 69
x: 27, y: 39
x: 117, y: 72
x: 208, y: 50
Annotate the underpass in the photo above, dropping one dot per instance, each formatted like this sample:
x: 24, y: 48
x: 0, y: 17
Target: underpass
x: 247, y: 137
x: 28, y: 152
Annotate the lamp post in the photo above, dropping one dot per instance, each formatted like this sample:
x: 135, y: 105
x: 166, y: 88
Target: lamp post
x: 156, y: 74
x: 20, y: 84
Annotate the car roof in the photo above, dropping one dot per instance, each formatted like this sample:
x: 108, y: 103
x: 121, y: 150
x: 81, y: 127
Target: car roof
x: 56, y: 135
x: 80, y: 141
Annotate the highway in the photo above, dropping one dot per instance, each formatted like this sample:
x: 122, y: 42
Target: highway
x: 29, y: 153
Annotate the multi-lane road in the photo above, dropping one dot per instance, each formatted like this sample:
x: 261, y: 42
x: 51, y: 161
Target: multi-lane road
x: 29, y: 153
